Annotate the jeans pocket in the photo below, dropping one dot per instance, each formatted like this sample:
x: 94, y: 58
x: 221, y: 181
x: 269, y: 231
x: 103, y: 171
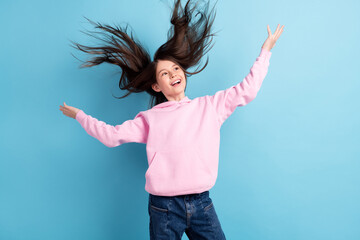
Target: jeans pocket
x: 207, y: 202
x: 208, y: 207
x: 158, y: 208
x: 159, y: 203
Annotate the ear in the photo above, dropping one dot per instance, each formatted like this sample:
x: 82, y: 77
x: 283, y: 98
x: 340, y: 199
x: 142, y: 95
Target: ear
x: 155, y: 87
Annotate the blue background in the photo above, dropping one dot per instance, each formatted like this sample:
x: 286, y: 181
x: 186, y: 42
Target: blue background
x: 289, y: 160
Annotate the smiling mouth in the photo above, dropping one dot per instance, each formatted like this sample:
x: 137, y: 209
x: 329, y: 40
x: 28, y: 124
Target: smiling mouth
x: 176, y: 82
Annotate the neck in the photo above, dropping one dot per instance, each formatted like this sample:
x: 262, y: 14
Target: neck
x: 176, y: 98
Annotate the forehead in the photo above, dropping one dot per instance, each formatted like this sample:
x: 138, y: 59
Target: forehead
x: 164, y: 64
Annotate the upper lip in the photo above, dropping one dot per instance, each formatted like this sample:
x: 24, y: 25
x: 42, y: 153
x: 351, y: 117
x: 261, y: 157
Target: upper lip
x: 175, y: 81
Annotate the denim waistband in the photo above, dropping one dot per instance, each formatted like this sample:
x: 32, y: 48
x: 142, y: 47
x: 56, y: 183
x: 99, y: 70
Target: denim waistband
x: 186, y: 196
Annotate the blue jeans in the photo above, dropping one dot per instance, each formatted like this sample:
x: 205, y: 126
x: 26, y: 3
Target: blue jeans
x: 193, y: 214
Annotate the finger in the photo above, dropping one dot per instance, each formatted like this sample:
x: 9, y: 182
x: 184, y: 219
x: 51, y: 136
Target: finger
x: 279, y: 32
x: 268, y: 29
x: 276, y: 34
x: 282, y: 29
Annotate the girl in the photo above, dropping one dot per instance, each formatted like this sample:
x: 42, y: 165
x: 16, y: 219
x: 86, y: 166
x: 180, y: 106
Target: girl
x: 182, y: 135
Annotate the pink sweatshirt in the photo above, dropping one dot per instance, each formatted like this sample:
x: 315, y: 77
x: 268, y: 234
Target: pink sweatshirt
x: 182, y: 137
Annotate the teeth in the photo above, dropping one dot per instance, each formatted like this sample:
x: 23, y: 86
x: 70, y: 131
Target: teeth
x: 175, y: 82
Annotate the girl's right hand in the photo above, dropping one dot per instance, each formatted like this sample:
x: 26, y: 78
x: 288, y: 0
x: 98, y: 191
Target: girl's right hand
x: 69, y: 111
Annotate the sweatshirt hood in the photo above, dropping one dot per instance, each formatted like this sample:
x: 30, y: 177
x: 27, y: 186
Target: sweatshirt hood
x: 171, y: 103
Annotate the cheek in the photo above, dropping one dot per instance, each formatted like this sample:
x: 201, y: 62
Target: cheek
x: 162, y: 82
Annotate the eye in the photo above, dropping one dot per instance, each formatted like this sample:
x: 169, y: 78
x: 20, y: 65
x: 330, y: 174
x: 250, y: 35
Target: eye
x: 163, y: 73
x: 176, y: 68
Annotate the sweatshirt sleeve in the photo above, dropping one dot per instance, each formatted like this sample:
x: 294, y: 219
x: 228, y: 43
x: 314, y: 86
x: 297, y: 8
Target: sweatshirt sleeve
x: 134, y: 130
x: 225, y: 101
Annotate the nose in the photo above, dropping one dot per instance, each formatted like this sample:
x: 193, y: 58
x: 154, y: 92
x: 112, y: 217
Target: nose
x: 172, y: 74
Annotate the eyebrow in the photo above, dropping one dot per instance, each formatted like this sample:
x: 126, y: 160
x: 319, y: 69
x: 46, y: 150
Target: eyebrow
x: 165, y: 69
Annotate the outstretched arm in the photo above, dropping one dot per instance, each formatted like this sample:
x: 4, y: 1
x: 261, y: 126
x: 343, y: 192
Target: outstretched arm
x: 225, y: 101
x: 134, y: 130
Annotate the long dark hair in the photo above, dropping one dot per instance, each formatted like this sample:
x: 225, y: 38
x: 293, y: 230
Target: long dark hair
x: 189, y: 39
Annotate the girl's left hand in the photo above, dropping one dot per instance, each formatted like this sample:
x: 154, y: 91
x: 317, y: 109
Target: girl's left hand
x: 272, y: 38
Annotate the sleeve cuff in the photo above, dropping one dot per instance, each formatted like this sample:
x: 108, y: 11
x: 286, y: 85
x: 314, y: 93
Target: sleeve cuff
x: 265, y: 52
x: 80, y: 116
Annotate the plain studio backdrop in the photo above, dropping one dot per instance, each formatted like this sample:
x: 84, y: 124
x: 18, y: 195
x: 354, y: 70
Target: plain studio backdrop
x: 289, y: 160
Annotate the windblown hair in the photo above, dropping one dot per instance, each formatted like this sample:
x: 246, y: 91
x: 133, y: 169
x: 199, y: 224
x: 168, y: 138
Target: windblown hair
x: 189, y: 39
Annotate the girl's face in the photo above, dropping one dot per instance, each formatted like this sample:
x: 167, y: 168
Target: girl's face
x: 171, y: 80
